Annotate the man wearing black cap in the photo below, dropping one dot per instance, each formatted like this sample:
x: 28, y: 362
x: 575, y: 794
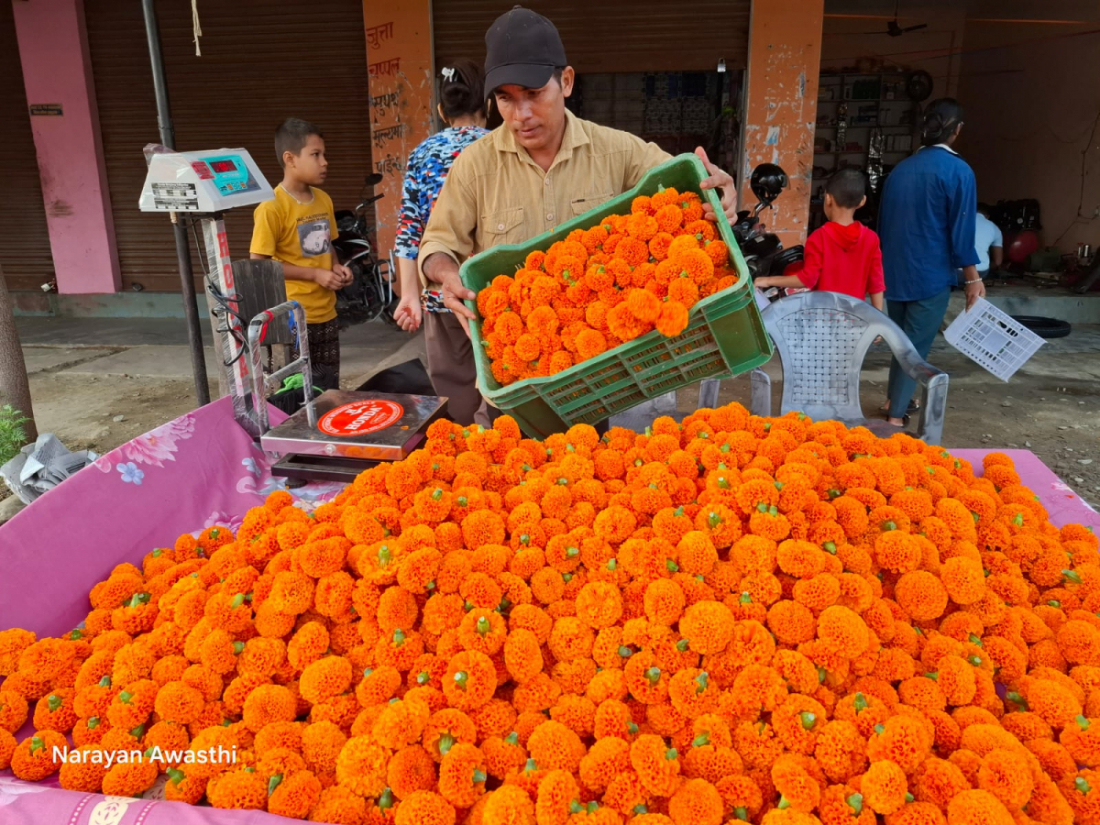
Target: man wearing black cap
x: 542, y: 167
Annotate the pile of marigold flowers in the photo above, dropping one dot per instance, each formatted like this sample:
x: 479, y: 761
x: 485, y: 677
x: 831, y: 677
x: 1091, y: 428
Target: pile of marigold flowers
x: 603, y: 286
x: 732, y: 619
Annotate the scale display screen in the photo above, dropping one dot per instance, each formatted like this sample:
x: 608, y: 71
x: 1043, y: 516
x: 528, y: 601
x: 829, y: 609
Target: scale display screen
x: 206, y: 181
x: 231, y: 175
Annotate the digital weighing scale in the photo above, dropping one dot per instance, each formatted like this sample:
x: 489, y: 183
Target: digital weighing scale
x: 344, y: 432
x: 333, y: 437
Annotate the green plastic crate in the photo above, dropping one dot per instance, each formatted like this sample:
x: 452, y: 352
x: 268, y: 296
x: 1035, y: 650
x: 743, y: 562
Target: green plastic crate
x: 725, y: 335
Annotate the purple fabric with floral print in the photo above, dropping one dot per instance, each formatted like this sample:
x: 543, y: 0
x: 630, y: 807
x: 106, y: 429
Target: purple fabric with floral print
x: 198, y: 471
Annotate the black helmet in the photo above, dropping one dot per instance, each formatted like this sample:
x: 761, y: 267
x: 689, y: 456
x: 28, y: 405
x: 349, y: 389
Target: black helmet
x: 768, y: 181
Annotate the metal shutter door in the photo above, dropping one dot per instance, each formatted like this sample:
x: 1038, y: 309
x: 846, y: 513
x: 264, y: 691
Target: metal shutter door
x: 261, y: 63
x: 24, y: 237
x: 615, y: 36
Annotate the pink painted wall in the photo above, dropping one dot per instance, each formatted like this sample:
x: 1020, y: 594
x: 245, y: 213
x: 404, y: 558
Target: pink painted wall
x: 781, y: 106
x: 53, y: 49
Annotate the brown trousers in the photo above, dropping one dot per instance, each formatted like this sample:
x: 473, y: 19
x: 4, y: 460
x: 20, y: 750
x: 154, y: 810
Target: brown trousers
x: 452, y: 370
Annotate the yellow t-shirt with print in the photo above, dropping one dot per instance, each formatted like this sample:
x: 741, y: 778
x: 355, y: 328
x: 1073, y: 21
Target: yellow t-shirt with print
x: 300, y: 234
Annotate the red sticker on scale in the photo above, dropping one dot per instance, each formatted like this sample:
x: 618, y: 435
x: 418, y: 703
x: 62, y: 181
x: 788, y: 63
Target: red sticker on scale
x: 361, y: 417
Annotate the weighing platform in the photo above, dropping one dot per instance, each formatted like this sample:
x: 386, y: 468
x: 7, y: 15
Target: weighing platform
x: 343, y: 432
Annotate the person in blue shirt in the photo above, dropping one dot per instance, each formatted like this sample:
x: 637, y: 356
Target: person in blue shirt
x: 927, y: 222
x: 989, y: 244
x: 463, y: 108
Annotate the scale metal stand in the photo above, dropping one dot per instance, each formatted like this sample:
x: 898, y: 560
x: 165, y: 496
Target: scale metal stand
x: 333, y: 437
x: 337, y: 435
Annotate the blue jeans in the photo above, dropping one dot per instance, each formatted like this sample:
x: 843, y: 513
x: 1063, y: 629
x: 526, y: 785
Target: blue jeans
x: 920, y: 321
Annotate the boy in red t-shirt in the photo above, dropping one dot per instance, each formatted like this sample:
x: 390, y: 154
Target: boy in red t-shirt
x: 843, y: 255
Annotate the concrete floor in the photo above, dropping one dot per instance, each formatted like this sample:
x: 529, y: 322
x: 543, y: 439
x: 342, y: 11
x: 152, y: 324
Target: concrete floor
x: 158, y: 348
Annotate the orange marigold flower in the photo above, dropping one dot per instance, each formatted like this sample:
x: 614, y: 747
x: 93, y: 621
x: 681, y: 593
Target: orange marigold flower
x: 657, y: 765
x: 33, y: 758
x: 921, y: 595
x: 674, y: 318
x: 708, y: 627
x: 696, y: 801
x: 462, y: 775
x: 179, y: 702
x: 977, y: 806
x: 134, y: 778
x: 884, y: 787
x: 643, y: 305
x: 267, y: 704
x: 361, y: 767
x: 664, y: 602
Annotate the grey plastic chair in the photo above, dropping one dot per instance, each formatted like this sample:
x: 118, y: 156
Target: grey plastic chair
x: 822, y: 339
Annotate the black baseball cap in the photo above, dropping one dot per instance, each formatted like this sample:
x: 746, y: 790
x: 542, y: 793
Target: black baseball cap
x: 521, y: 48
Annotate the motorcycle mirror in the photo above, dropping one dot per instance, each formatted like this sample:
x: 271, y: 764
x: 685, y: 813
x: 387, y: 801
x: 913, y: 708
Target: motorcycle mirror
x: 373, y: 179
x: 767, y: 182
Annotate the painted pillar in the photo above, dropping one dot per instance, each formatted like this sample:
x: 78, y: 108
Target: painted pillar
x: 400, y: 65
x: 57, y: 73
x: 781, y: 106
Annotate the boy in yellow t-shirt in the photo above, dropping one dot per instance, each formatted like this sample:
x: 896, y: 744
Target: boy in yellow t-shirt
x: 297, y: 228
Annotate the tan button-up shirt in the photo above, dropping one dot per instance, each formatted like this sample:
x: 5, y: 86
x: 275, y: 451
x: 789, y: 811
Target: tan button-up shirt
x: 496, y: 194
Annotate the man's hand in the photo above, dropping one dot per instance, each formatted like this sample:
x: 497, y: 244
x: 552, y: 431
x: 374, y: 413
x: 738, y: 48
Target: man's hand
x: 723, y: 182
x: 454, y: 293
x: 443, y: 270
x: 762, y: 283
x: 408, y: 313
x: 974, y: 291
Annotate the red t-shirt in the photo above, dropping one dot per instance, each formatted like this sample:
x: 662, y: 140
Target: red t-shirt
x: 846, y: 259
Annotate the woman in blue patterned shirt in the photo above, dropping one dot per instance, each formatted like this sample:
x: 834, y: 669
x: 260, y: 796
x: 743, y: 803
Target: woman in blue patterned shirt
x: 462, y: 107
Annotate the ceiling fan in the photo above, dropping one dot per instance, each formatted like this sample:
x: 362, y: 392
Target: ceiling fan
x: 895, y: 29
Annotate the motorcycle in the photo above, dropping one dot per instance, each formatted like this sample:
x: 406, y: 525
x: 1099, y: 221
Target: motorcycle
x: 370, y: 295
x: 762, y: 250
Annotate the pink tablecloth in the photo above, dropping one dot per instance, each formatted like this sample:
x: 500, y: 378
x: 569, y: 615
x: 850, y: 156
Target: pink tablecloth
x: 195, y: 472
x: 1062, y: 503
x: 192, y: 473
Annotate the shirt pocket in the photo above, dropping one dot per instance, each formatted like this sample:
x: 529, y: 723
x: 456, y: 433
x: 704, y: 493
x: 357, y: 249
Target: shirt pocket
x: 505, y: 226
x: 582, y: 205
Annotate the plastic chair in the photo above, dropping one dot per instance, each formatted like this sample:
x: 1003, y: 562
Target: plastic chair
x: 822, y: 339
